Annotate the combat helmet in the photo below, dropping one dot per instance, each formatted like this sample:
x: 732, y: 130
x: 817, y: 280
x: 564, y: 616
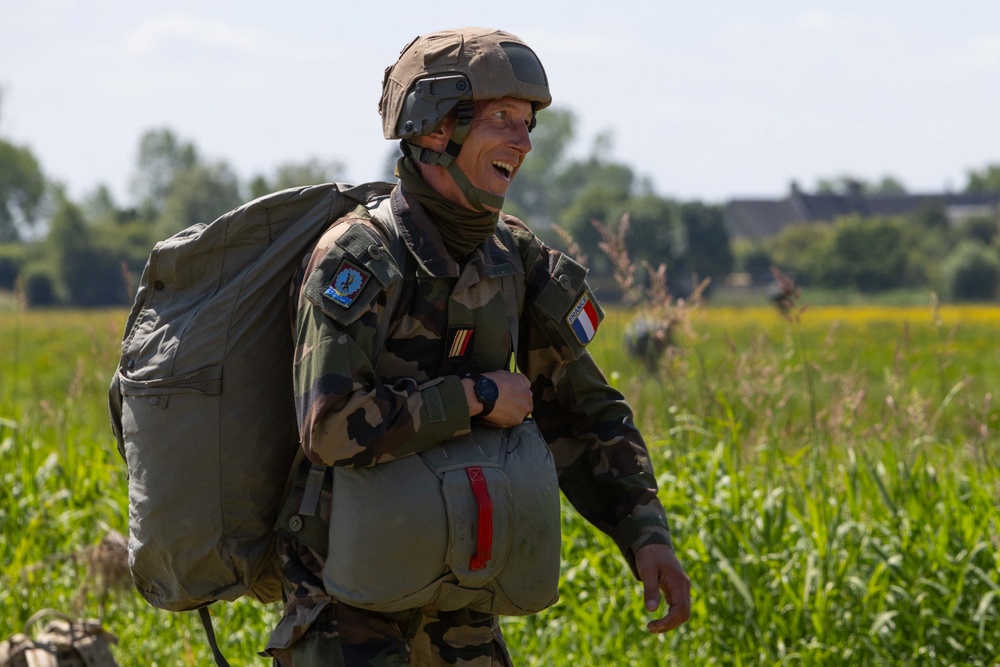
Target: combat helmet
x: 443, y: 72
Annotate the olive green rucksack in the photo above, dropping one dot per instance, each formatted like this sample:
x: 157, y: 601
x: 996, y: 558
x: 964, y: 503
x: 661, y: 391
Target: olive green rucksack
x: 201, y: 402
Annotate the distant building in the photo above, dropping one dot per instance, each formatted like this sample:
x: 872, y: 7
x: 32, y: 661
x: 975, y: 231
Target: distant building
x: 760, y: 218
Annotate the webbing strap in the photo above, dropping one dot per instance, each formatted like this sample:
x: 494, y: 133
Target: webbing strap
x: 386, y: 221
x: 484, y: 530
x: 509, y: 292
x: 383, y: 217
x: 206, y: 621
x: 508, y: 288
x: 313, y: 490
x: 478, y: 198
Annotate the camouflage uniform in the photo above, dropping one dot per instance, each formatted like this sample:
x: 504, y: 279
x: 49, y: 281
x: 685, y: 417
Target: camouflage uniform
x: 449, y: 321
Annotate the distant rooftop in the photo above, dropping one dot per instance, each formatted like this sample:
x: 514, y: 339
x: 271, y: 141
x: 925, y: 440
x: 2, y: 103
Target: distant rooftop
x: 760, y: 218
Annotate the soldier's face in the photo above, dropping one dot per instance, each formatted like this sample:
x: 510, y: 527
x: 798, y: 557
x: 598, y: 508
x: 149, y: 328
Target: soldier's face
x: 497, y: 143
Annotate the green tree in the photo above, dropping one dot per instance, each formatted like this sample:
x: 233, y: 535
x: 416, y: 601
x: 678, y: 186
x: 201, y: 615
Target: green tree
x: 926, y: 243
x: 537, y: 195
x: 845, y: 183
x: 596, y: 202
x: 985, y: 180
x: 22, y: 187
x: 161, y: 158
x: 706, y: 251
x: 888, y: 185
x: 753, y: 257
x: 654, y: 234
x: 198, y: 194
x: 38, y: 282
x: 293, y: 174
x: 980, y: 228
x: 120, y: 232
x: 929, y: 215
x: 798, y: 249
x: 100, y: 206
x: 574, y: 192
x: 13, y: 257
x: 594, y: 189
x: 87, y: 273
x: 175, y: 188
x: 550, y: 183
x: 864, y: 254
x: 972, y: 272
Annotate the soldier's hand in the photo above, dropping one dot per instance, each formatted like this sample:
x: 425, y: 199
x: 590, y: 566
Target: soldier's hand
x: 514, y: 403
x: 660, y: 570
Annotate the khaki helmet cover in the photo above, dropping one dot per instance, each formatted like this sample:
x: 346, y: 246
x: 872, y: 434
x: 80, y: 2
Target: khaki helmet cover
x: 434, y: 73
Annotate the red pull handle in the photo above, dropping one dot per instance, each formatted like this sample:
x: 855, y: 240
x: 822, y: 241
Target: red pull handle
x: 484, y: 538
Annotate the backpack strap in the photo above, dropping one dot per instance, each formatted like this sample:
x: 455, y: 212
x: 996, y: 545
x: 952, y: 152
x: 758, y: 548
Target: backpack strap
x: 508, y: 287
x: 311, y: 531
x: 315, y: 535
x: 384, y: 219
x: 206, y: 622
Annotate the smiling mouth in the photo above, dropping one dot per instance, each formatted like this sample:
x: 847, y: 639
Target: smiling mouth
x: 503, y: 168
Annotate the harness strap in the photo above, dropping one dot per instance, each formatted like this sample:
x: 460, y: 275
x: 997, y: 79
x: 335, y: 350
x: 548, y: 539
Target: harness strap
x: 509, y: 291
x: 206, y: 621
x: 508, y: 288
x: 313, y: 490
x: 386, y: 221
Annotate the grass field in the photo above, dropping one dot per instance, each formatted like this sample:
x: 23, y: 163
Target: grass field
x: 832, y: 484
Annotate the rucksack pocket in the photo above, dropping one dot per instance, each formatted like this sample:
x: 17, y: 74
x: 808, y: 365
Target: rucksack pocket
x: 169, y: 508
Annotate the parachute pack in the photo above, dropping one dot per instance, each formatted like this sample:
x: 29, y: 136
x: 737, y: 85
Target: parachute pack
x: 201, y: 402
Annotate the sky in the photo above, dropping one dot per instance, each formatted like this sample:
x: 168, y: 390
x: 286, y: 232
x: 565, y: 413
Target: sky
x: 708, y: 100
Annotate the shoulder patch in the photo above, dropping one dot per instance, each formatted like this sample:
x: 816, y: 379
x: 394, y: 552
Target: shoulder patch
x: 569, y: 304
x: 584, y: 319
x: 352, y: 273
x: 348, y: 281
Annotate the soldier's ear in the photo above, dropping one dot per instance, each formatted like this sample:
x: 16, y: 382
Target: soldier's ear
x: 437, y: 140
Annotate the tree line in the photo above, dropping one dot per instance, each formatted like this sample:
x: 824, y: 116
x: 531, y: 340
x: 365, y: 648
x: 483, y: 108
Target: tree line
x: 959, y: 259
x: 57, y: 251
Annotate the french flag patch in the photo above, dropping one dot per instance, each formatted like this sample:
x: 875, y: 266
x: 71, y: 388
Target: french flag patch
x: 583, y: 319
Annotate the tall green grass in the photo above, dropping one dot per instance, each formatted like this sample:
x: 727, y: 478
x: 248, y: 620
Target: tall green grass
x: 832, y: 486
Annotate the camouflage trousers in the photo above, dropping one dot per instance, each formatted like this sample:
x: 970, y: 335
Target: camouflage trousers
x: 319, y: 631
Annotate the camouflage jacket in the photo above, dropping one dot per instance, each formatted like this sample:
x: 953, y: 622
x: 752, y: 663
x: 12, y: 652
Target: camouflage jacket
x: 361, y: 406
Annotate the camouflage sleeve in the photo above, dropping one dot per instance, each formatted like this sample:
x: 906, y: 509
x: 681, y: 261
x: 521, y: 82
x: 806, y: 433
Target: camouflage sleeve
x: 603, y: 464
x: 347, y: 415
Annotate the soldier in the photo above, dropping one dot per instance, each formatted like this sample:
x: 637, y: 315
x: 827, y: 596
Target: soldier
x: 462, y: 102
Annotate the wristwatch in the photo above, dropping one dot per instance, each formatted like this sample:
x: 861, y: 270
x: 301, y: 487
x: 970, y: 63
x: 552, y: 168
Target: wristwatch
x: 487, y: 392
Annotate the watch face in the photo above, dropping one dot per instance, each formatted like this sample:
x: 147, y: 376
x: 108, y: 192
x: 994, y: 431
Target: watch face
x: 486, y: 390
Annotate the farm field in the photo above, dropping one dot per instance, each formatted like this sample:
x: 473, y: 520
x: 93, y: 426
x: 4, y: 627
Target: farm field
x: 831, y: 479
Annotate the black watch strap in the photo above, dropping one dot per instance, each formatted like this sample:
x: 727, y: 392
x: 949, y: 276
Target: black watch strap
x: 487, y: 392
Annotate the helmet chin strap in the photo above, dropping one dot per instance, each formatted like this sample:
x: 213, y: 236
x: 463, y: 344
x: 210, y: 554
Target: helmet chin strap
x: 478, y: 198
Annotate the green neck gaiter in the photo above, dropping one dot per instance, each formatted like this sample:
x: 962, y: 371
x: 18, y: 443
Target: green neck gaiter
x: 462, y: 229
